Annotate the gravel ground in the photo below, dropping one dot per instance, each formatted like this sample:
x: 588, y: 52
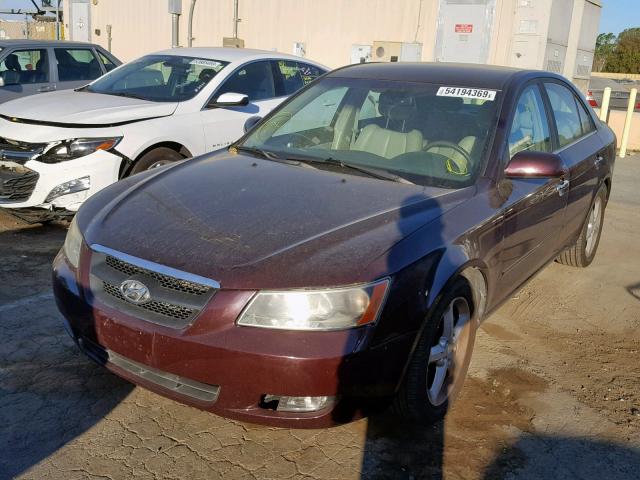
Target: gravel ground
x: 553, y: 390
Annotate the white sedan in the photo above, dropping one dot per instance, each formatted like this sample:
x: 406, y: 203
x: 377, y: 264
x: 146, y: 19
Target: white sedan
x: 57, y: 149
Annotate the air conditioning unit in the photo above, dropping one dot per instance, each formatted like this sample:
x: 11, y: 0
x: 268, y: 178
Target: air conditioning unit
x: 396, y: 52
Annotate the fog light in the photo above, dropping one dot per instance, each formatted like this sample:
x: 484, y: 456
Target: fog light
x: 299, y: 404
x: 72, y: 186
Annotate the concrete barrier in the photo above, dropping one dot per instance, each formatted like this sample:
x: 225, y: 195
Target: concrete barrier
x: 616, y: 122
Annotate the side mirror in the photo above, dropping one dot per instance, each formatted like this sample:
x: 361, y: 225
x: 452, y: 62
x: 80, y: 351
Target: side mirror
x: 229, y: 99
x: 535, y: 165
x: 251, y: 122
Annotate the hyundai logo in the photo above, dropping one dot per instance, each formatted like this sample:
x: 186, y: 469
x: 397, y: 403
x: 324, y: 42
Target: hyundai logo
x: 135, y: 292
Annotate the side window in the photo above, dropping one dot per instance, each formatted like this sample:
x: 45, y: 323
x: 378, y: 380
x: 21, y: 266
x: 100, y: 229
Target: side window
x: 565, y: 112
x: 25, y: 66
x: 318, y: 113
x: 529, y: 130
x: 585, y: 119
x: 108, y: 64
x: 77, y: 64
x: 254, y: 80
x: 292, y: 76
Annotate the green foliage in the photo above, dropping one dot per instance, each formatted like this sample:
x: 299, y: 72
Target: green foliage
x: 621, y: 54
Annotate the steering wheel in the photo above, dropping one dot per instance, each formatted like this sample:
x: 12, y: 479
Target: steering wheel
x: 453, y: 166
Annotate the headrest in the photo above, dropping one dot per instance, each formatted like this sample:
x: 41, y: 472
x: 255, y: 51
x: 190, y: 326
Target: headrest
x: 397, y: 105
x: 12, y: 62
x: 206, y: 74
x: 524, y: 119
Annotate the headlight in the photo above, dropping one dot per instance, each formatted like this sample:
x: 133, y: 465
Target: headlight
x: 75, y: 148
x: 316, y: 309
x: 72, y: 244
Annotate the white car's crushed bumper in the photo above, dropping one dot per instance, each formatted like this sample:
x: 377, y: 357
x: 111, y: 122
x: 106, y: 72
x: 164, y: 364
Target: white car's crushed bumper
x: 56, y: 187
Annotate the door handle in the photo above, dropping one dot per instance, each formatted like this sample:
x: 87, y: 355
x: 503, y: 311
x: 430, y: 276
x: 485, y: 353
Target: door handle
x: 599, y: 161
x: 562, y: 187
x: 47, y: 88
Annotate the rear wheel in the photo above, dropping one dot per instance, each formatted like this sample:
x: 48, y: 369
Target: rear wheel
x: 439, y: 365
x: 155, y: 158
x: 583, y: 251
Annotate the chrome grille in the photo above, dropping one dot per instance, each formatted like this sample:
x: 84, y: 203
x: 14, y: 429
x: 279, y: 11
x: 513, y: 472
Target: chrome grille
x: 176, y: 297
x: 161, y: 308
x: 165, y: 280
x: 19, y: 152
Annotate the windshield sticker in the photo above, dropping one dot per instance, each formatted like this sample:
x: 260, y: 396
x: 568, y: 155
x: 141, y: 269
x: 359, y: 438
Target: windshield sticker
x: 206, y: 63
x: 476, y: 93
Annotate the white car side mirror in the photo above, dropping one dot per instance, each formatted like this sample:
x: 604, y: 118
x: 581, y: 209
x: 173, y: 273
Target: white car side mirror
x: 229, y: 99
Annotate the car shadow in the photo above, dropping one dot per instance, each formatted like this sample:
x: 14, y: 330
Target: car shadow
x: 396, y: 448
x: 50, y: 393
x: 537, y: 456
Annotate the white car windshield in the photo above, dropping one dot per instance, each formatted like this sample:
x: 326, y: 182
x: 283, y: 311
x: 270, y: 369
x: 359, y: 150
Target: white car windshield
x: 159, y: 78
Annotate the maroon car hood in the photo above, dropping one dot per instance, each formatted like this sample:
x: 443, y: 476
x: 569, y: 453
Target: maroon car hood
x: 251, y: 223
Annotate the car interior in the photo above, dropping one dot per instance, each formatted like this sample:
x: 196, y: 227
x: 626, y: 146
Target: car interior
x: 399, y: 130
x: 13, y: 71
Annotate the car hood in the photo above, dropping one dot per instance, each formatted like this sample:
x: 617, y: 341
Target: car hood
x: 71, y: 108
x: 251, y: 223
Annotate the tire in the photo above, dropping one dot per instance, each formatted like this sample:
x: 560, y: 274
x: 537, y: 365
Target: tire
x: 155, y: 158
x: 418, y: 399
x: 583, y: 251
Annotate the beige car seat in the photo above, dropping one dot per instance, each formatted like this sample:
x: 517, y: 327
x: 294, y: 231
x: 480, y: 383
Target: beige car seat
x: 396, y: 108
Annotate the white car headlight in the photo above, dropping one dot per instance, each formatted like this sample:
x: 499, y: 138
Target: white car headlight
x: 75, y: 148
x: 72, y: 244
x: 333, y: 309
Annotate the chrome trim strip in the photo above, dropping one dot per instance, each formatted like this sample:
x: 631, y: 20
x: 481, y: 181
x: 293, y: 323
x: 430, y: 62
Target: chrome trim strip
x: 176, y: 383
x: 156, y: 267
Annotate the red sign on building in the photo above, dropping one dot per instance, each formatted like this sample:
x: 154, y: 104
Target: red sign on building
x: 464, y: 27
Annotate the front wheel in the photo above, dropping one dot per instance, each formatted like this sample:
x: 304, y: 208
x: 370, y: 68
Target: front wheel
x: 440, y: 362
x: 583, y: 251
x: 155, y: 158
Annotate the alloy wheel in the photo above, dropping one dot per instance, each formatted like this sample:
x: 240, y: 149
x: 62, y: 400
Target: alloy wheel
x: 448, y: 352
x: 594, y: 225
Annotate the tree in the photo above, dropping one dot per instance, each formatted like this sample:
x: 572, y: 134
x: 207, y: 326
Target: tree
x: 605, y: 45
x: 625, y: 57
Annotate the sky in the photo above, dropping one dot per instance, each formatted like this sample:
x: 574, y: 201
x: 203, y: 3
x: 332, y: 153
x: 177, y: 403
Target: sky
x: 616, y: 14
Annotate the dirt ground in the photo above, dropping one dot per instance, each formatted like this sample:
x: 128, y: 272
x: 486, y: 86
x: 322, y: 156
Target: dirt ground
x: 553, y: 391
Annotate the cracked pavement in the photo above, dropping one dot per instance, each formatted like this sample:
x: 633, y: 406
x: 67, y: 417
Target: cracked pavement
x: 553, y: 390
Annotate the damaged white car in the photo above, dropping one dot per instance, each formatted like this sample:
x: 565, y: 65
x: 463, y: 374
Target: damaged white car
x: 59, y: 148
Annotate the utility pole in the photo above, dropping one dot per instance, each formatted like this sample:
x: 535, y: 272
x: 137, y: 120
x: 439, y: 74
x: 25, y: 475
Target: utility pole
x: 58, y: 20
x: 190, y: 27
x: 175, y: 9
x: 236, y: 20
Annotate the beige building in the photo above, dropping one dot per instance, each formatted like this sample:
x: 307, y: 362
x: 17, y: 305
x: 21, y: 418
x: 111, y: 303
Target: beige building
x: 557, y: 35
x: 12, y: 29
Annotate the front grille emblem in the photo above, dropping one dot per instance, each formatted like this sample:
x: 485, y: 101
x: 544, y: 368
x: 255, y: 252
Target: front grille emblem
x: 135, y: 292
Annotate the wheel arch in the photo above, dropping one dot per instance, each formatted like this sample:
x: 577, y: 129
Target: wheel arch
x: 178, y: 147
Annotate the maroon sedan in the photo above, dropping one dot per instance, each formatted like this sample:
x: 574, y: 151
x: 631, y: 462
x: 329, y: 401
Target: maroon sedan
x: 341, y: 255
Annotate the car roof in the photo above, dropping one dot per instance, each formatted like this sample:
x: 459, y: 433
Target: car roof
x: 230, y: 54
x: 53, y: 43
x: 455, y: 74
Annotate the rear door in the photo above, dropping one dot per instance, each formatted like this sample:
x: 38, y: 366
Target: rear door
x: 25, y: 71
x: 76, y: 66
x: 534, y: 214
x: 580, y: 148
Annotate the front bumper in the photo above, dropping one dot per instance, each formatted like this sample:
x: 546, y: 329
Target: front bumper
x: 101, y: 167
x: 241, y: 364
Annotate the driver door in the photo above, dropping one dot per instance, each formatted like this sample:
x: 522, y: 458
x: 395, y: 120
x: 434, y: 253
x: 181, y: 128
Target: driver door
x: 534, y: 212
x: 222, y: 126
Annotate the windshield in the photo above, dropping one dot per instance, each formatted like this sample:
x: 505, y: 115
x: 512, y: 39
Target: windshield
x: 159, y: 78
x: 425, y: 133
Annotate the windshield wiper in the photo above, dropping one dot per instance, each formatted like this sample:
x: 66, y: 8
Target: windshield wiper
x: 124, y: 94
x: 371, y: 172
x: 266, y: 154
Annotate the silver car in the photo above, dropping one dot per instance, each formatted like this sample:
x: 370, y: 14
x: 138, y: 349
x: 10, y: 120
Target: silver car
x: 34, y: 66
x: 620, y: 91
